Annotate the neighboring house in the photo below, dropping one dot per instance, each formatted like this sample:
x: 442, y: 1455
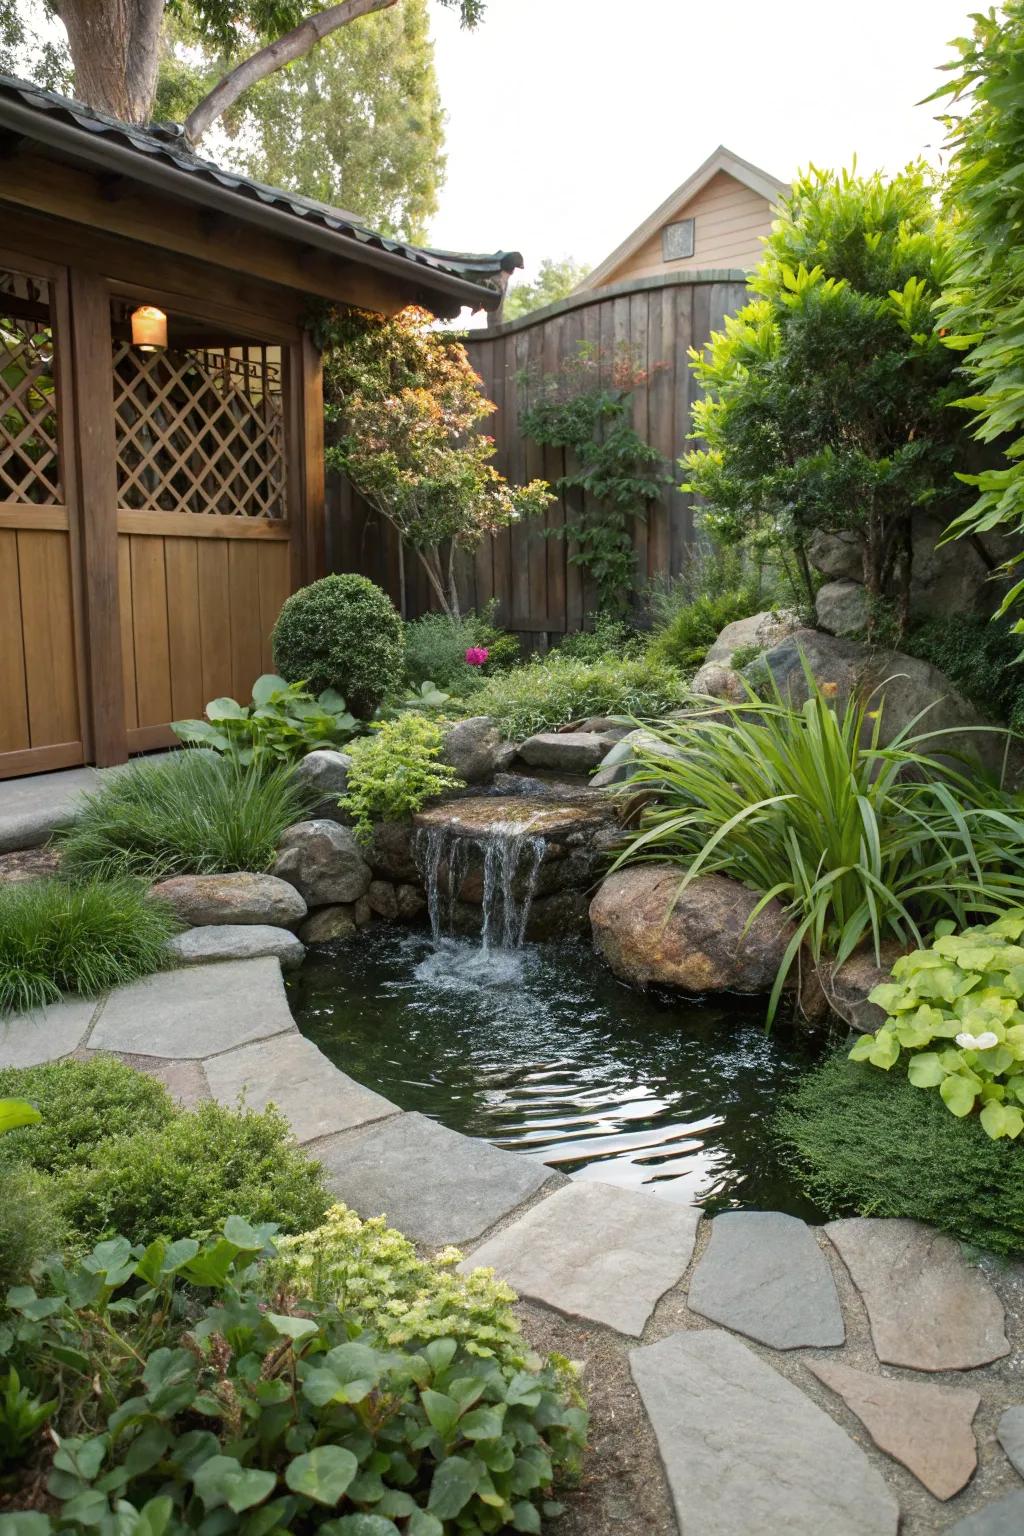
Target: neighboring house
x: 716, y: 219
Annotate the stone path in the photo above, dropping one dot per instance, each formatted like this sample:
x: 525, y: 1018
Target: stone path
x: 30, y: 809
x: 837, y: 1382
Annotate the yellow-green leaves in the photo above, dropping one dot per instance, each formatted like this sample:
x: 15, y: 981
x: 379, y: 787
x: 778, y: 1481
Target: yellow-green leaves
x: 15, y: 1113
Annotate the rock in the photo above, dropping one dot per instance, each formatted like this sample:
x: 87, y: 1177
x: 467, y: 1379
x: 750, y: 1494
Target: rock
x: 391, y: 852
x: 1010, y: 1431
x: 324, y: 776
x: 314, y: 1097
x: 848, y: 988
x: 928, y: 1308
x: 410, y: 902
x: 238, y: 898
x: 925, y: 1427
x: 619, y: 764
x: 716, y: 681
x: 474, y: 748
x: 562, y: 915
x: 236, y: 941
x: 46, y: 1034
x: 362, y: 912
x: 567, y: 751
x: 328, y: 923
x: 841, y: 607
x: 837, y: 556
x: 595, y: 1251
x: 762, y: 630
x: 189, y: 1014
x: 746, y: 1453
x: 324, y: 862
x: 700, y: 946
x: 28, y: 864
x: 602, y: 725
x: 382, y: 899
x: 1003, y: 1518
x: 764, y: 1275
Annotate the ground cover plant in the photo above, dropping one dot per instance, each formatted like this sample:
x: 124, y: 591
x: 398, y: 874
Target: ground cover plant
x: 437, y: 646
x: 555, y: 689
x: 58, y: 937
x: 282, y: 723
x: 395, y: 770
x: 341, y: 633
x: 869, y: 1143
x: 188, y: 813
x: 978, y: 655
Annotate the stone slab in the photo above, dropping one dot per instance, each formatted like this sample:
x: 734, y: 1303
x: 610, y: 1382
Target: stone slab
x: 236, y: 941
x: 47, y: 1034
x: 1003, y: 1518
x: 183, y: 1080
x: 1011, y: 1435
x: 763, y: 1274
x: 595, y: 1251
x: 572, y: 751
x: 928, y: 1308
x: 432, y: 1183
x: 32, y: 809
x: 28, y: 864
x: 746, y: 1452
x: 919, y: 1423
x: 306, y: 1086
x: 195, y: 1012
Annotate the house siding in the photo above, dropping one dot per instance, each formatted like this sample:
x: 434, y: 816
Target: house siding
x: 730, y: 221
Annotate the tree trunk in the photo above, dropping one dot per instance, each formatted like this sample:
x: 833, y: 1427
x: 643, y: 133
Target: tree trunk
x: 115, y: 48
x: 453, y: 586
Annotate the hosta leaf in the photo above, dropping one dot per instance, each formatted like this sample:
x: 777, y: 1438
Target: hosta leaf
x: 15, y: 1113
x: 323, y: 1474
x: 291, y: 1327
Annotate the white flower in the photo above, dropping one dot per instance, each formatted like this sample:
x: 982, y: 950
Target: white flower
x: 982, y: 1042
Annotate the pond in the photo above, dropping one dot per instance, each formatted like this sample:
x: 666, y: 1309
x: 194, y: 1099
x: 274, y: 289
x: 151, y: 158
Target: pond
x: 542, y: 1051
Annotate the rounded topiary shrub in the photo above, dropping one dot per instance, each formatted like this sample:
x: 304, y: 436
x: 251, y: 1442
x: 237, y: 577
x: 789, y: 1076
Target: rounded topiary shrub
x: 341, y: 632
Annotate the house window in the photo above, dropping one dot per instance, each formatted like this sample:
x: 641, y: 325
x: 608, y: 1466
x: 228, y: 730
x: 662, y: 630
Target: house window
x: 677, y: 241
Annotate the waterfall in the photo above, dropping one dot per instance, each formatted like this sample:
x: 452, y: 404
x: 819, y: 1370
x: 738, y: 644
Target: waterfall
x: 510, y: 860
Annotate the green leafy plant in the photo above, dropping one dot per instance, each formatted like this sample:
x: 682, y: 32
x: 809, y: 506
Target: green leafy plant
x: 436, y: 646
x: 858, y: 841
x: 693, y: 630
x: 868, y: 1143
x: 31, y: 1227
x: 556, y: 689
x: 81, y: 1105
x: 961, y: 995
x: 188, y: 813
x: 22, y: 1416
x: 978, y: 655
x: 608, y: 637
x: 281, y: 725
x: 57, y: 937
x: 341, y: 633
x: 395, y: 771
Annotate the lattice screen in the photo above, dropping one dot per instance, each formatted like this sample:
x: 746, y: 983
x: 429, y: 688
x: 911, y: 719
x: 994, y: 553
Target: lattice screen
x: 29, y: 461
x: 200, y: 431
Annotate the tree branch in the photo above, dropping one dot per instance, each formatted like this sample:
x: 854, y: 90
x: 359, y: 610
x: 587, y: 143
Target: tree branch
x: 283, y: 50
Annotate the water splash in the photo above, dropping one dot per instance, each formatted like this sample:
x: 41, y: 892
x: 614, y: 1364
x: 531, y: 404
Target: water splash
x: 510, y: 857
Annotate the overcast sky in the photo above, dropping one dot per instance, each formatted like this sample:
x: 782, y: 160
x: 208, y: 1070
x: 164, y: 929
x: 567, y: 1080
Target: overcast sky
x: 570, y: 120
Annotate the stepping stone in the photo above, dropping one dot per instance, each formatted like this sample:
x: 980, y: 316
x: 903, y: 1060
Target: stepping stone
x: 433, y: 1184
x: 47, y: 1034
x: 595, y: 1251
x: 237, y: 941
x: 1003, y: 1518
x: 195, y: 1012
x: 234, y: 898
x: 306, y: 1086
x: 746, y: 1453
x: 32, y: 809
x: 928, y: 1308
x: 1011, y: 1435
x: 922, y: 1425
x: 764, y: 1275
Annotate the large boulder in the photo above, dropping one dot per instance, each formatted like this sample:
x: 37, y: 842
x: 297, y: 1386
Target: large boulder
x: 231, y: 941
x: 700, y: 944
x: 324, y: 776
x: 620, y: 763
x: 945, y: 578
x: 328, y: 923
x: 717, y: 681
x: 391, y: 853
x: 475, y: 750
x: 567, y: 751
x: 201, y: 900
x: 324, y: 862
x: 842, y: 607
x: 761, y: 630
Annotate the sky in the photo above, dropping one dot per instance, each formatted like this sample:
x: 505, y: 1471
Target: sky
x: 569, y: 121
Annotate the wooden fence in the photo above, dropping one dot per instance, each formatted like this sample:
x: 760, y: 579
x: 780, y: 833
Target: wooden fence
x: 540, y: 592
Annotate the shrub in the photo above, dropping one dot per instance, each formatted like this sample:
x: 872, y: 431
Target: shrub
x: 395, y: 771
x: 868, y: 1143
x: 281, y: 725
x: 978, y: 656
x: 436, y: 646
x: 56, y: 937
x: 693, y: 630
x: 30, y: 1225
x: 553, y: 691
x: 344, y: 633
x: 83, y: 1104
x: 608, y: 637
x: 187, y: 813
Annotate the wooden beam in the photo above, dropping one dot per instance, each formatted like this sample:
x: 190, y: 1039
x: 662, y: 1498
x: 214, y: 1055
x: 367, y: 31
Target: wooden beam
x: 313, y: 458
x: 197, y: 525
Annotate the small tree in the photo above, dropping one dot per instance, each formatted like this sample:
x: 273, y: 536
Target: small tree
x: 826, y: 396
x: 407, y: 403
x: 555, y: 280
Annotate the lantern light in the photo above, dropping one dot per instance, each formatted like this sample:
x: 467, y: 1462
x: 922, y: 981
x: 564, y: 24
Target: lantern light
x: 149, y: 328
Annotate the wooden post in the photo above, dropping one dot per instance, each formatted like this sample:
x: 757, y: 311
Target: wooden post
x: 92, y: 375
x: 312, y: 395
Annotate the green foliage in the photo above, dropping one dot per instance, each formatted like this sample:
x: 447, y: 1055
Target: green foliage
x: 556, y: 689
x: 82, y: 1104
x: 868, y: 1143
x: 826, y: 397
x: 395, y: 771
x: 978, y: 656
x: 983, y: 303
x: 187, y: 813
x: 687, y: 638
x: 436, y: 646
x: 858, y: 841
x: 341, y: 633
x: 555, y: 280
x: 964, y: 993
x: 56, y: 937
x: 30, y: 1229
x: 607, y: 637
x: 281, y: 725
x: 279, y: 1418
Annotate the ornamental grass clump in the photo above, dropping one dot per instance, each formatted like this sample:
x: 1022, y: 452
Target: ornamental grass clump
x: 859, y: 842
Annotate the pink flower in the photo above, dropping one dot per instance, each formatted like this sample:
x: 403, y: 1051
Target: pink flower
x: 476, y: 655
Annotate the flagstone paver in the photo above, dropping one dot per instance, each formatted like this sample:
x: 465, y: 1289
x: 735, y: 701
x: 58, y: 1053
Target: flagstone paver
x: 1003, y: 1518
x: 31, y: 809
x: 764, y: 1275
x: 925, y: 1426
x: 1010, y: 1431
x: 47, y: 1034
x: 746, y: 1453
x: 434, y: 1185
x: 196, y: 1011
x: 595, y: 1251
x: 908, y: 1275
x: 307, y: 1088
x: 237, y: 941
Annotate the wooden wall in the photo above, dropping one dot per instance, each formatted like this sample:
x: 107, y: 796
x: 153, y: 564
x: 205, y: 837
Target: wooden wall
x: 729, y: 221
x: 540, y: 592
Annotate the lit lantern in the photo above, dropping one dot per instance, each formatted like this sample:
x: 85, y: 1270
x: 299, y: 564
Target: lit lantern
x: 149, y: 328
